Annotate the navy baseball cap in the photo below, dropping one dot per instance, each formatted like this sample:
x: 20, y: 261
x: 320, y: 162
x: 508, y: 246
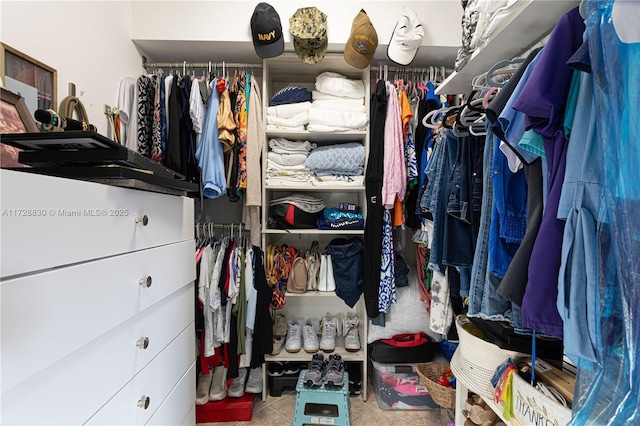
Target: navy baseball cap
x: 266, y: 31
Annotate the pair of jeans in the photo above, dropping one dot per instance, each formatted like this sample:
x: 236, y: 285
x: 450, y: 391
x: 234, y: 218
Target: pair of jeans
x: 509, y: 216
x: 483, y: 299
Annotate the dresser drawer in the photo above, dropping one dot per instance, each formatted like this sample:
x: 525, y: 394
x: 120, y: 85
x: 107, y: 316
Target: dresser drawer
x: 179, y: 403
x: 71, y: 390
x: 70, y: 221
x: 47, y: 316
x: 141, y: 397
x: 190, y: 419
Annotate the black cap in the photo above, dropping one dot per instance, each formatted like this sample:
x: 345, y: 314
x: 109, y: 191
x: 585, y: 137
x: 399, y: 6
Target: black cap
x: 266, y: 31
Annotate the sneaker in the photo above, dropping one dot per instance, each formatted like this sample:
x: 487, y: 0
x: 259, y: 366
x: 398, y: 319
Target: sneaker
x: 203, y: 387
x: 280, y: 326
x: 328, y: 339
x: 350, y: 332
x: 254, y: 382
x: 310, y: 339
x: 275, y: 369
x: 291, y: 367
x: 236, y: 390
x: 278, y: 341
x: 313, y: 376
x: 335, y: 371
x: 294, y: 337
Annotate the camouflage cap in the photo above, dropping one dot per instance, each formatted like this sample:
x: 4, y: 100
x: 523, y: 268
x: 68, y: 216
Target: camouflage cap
x: 308, y: 28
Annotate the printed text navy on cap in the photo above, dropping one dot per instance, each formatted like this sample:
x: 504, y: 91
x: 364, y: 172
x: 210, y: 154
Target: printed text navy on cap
x: 266, y: 31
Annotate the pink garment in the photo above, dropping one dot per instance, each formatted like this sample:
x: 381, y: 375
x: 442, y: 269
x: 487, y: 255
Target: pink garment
x: 394, y: 183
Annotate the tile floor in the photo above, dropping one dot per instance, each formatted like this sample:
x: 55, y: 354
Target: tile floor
x: 277, y: 411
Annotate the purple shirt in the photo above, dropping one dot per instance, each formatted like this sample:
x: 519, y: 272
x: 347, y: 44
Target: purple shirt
x: 542, y: 101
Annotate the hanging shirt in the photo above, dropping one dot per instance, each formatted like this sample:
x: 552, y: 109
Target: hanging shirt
x: 543, y: 101
x: 197, y: 111
x: 209, y: 152
x: 146, y: 93
x: 395, y: 174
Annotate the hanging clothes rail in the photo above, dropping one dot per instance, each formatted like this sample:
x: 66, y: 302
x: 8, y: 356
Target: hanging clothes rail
x: 186, y: 64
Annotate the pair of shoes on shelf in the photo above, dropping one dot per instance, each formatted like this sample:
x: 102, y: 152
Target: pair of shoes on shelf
x: 478, y: 413
x: 279, y: 333
x: 277, y: 368
x: 331, y: 371
x: 212, y: 386
x: 305, y: 336
x: 349, y: 330
x: 253, y: 382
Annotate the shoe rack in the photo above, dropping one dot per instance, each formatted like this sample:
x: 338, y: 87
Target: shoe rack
x: 279, y: 72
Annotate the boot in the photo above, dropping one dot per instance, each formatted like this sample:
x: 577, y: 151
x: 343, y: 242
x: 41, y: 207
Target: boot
x: 219, y: 384
x: 203, y: 387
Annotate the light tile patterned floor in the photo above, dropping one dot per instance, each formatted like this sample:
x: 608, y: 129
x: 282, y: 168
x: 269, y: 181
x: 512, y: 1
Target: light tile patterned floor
x: 279, y: 411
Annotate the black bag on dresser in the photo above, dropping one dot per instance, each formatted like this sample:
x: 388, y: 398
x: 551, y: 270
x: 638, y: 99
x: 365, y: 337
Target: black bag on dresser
x: 402, y: 348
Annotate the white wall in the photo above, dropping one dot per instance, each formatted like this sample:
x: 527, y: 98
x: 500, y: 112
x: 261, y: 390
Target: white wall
x: 90, y: 44
x: 219, y: 30
x: 87, y: 42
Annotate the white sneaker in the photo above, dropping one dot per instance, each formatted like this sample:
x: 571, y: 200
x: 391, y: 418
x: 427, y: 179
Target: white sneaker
x: 254, y: 382
x: 294, y: 337
x: 310, y: 338
x: 329, y: 331
x: 236, y: 389
x: 350, y: 332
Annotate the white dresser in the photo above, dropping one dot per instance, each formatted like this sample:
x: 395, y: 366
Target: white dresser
x: 97, y: 304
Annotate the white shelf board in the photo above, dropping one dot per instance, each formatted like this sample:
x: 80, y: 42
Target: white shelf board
x: 304, y: 356
x: 313, y: 294
x: 315, y: 231
x: 316, y: 188
x: 520, y: 31
x: 305, y: 135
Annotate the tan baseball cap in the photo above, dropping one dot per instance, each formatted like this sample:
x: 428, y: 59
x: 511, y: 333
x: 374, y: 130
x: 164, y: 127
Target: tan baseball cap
x: 362, y: 42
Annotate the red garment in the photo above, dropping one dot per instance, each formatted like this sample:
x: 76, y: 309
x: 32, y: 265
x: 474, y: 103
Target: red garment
x: 421, y: 265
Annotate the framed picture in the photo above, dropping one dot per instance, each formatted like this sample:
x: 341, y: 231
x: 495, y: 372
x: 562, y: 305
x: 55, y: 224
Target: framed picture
x: 14, y: 118
x: 34, y: 81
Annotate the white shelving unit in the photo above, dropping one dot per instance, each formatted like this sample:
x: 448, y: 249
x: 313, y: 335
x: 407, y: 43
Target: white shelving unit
x: 530, y: 23
x: 279, y: 72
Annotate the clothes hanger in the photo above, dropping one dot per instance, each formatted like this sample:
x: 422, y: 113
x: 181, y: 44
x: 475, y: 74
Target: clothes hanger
x: 499, y: 69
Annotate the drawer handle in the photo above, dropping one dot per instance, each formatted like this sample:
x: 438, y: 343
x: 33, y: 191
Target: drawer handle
x: 143, y: 343
x: 144, y: 402
x: 144, y: 220
x: 145, y: 281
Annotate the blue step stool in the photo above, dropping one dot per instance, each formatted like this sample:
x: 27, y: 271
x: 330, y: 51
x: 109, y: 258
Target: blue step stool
x: 321, y: 405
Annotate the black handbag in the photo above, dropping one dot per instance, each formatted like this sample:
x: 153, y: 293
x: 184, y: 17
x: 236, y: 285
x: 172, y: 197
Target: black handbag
x: 409, y: 348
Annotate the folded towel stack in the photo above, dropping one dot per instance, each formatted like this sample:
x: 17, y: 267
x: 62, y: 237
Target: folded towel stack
x: 289, y: 109
x: 285, y: 162
x: 346, y: 159
x: 338, y: 104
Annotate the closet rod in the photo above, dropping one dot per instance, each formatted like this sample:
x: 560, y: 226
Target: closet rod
x: 146, y: 64
x: 220, y: 225
x: 375, y: 68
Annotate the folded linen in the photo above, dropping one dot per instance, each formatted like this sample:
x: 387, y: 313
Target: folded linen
x: 319, y: 96
x: 321, y: 128
x: 294, y: 159
x: 339, y: 180
x: 346, y: 158
x: 330, y: 172
x: 329, y: 117
x: 291, y: 146
x: 300, y: 119
x: 288, y: 110
x: 353, y: 105
x: 279, y: 167
x: 339, y: 85
x: 288, y: 180
x: 289, y: 128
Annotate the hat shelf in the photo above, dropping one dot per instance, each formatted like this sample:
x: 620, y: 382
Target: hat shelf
x: 279, y: 72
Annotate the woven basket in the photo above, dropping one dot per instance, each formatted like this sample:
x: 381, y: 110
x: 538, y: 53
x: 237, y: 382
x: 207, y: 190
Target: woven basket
x: 441, y: 395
